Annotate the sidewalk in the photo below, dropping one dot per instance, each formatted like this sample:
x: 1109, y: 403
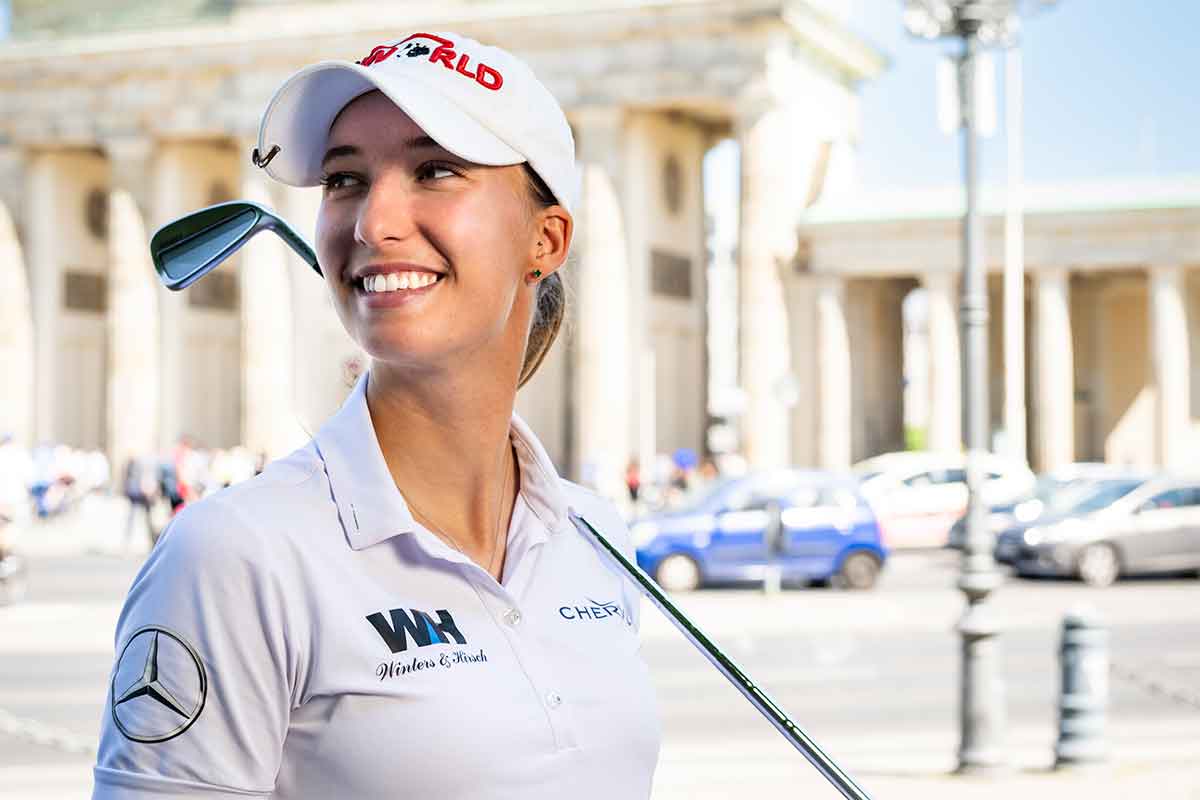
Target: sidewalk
x: 1161, y: 781
x: 922, y: 768
x: 97, y: 525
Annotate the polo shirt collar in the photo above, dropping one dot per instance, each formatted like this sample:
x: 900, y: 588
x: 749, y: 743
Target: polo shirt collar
x: 370, y: 506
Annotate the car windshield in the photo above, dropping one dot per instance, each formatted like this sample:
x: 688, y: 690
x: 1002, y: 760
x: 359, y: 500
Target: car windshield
x: 707, y: 496
x: 1047, y: 487
x: 1088, y: 497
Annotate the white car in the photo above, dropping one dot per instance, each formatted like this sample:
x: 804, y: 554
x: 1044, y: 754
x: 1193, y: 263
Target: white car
x: 917, y: 496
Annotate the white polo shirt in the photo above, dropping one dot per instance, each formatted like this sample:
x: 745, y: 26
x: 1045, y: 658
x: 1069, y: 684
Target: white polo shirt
x: 299, y: 635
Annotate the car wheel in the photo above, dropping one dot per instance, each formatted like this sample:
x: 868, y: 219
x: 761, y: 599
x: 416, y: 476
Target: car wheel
x: 1099, y: 565
x: 678, y: 573
x: 859, y: 571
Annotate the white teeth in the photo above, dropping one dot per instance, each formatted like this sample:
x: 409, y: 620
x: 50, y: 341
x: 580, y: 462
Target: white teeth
x: 396, y: 281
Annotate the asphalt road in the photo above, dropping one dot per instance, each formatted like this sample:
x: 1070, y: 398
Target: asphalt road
x: 872, y: 676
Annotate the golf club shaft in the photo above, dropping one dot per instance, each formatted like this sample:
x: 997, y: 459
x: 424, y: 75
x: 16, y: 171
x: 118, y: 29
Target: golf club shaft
x: 757, y: 697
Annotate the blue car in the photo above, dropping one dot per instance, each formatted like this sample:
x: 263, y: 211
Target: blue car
x: 814, y: 525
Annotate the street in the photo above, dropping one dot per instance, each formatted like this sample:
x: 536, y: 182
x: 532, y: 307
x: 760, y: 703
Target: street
x: 872, y: 677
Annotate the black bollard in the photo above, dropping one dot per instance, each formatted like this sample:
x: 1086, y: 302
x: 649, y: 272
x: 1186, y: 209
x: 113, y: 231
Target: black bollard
x: 1083, y: 699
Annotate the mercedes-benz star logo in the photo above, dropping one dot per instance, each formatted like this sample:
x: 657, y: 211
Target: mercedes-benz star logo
x: 166, y: 709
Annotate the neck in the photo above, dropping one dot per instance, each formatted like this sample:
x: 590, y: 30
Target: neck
x: 445, y: 440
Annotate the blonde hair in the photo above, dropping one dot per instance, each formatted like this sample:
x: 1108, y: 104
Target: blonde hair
x: 550, y: 305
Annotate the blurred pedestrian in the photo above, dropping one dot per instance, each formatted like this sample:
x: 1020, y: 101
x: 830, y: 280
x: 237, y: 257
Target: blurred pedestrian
x: 140, y: 485
x: 633, y: 479
x: 183, y: 462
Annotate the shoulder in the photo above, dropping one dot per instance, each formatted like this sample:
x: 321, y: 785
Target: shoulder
x: 242, y: 520
x: 233, y: 555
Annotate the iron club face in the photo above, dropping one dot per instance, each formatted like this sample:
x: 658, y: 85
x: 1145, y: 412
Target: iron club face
x: 188, y: 248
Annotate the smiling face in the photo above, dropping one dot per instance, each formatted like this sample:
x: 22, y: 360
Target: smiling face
x: 399, y: 211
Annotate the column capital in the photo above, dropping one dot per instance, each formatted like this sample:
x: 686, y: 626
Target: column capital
x: 825, y: 282
x: 130, y: 164
x: 128, y: 152
x: 1051, y: 273
x: 12, y: 180
x: 1165, y: 272
x: 600, y: 132
x: 754, y: 101
x: 939, y: 281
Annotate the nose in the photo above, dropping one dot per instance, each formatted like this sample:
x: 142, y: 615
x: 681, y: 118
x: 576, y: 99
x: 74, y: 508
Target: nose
x: 386, y: 213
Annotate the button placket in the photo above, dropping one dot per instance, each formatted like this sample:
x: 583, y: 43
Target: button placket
x: 513, y: 623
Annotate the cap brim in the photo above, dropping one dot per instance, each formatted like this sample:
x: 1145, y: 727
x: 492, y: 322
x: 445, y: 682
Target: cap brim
x: 299, y: 116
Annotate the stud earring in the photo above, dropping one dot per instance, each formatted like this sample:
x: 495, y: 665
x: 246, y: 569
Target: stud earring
x: 537, y: 273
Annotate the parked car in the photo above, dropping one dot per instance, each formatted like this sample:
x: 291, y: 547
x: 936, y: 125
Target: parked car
x: 917, y: 496
x: 1154, y: 528
x: 1075, y: 500
x: 814, y: 526
x: 1061, y: 487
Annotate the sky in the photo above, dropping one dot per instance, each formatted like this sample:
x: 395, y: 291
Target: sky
x: 1111, y: 92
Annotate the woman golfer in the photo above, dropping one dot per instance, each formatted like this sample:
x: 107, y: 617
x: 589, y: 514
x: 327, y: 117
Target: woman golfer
x: 403, y: 608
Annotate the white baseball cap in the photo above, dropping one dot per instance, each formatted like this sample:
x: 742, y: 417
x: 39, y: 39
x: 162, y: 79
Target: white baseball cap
x: 481, y: 103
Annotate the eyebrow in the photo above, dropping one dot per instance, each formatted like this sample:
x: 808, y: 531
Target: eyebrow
x: 421, y: 142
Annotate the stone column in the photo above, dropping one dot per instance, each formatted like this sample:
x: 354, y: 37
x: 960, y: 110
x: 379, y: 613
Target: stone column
x: 38, y: 210
x: 944, y: 432
x: 322, y: 347
x: 603, y: 332
x: 171, y: 177
x: 268, y: 413
x: 16, y: 321
x: 833, y: 378
x: 766, y: 245
x: 133, y: 335
x: 1172, y: 365
x: 1054, y: 382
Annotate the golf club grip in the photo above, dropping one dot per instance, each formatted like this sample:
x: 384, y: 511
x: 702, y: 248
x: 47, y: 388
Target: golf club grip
x: 732, y: 672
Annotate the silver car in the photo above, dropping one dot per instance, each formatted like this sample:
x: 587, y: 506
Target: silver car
x: 1155, y: 528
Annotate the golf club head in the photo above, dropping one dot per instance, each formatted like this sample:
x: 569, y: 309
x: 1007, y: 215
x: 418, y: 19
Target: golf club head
x: 188, y: 248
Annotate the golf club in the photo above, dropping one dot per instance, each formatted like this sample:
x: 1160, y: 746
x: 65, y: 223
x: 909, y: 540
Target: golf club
x: 725, y: 665
x: 186, y: 249
x: 195, y: 244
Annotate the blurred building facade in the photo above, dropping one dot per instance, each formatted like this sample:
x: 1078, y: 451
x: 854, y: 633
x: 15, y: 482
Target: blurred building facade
x: 111, y: 127
x: 1112, y: 322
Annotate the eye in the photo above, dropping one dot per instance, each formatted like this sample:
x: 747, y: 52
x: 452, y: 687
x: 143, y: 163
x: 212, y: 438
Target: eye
x: 337, y: 180
x: 436, y: 170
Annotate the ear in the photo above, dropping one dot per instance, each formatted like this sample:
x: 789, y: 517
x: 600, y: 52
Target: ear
x: 553, y: 228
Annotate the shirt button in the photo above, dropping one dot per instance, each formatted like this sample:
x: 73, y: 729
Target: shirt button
x: 553, y: 699
x: 512, y: 617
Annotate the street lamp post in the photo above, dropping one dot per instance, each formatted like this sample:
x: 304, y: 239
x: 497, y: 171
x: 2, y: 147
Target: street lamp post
x: 981, y: 709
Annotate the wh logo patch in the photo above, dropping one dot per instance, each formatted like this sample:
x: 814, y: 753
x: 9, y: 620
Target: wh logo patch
x: 416, y: 624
